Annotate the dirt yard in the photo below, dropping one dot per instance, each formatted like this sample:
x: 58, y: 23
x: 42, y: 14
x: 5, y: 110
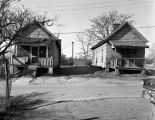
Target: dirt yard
x: 80, y: 97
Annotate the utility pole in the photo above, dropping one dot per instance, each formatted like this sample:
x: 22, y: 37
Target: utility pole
x: 72, y: 53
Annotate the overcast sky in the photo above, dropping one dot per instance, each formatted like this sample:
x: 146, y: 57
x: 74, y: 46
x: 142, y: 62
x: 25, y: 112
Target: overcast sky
x: 75, y: 16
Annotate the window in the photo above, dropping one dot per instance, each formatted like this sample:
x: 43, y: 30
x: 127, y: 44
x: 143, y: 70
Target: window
x: 35, y: 51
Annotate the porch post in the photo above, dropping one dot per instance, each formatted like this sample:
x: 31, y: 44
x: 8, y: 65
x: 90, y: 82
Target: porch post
x: 30, y: 54
x: 38, y: 52
x: 116, y: 57
x: 116, y: 62
x: 46, y: 51
x: 15, y: 50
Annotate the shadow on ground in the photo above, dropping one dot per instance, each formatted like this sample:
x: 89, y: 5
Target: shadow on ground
x: 24, y: 107
x: 31, y: 107
x: 76, y: 70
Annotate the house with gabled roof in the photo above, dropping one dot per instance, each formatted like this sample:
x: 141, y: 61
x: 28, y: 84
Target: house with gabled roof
x: 37, y: 48
x: 122, y: 49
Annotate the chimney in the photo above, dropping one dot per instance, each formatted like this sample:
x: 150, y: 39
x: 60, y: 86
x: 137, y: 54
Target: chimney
x: 115, y: 26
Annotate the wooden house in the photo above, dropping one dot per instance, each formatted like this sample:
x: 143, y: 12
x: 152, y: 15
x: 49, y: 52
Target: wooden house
x: 122, y: 49
x: 35, y: 48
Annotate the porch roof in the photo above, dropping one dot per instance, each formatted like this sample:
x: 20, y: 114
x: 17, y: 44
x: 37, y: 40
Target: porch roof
x: 129, y: 44
x: 33, y: 41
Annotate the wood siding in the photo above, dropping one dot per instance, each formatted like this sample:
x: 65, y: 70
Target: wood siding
x: 32, y: 31
x: 54, y: 52
x: 126, y: 34
x: 99, y: 56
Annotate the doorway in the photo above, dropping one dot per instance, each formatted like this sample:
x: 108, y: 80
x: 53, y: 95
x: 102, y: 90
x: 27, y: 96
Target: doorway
x: 34, y: 54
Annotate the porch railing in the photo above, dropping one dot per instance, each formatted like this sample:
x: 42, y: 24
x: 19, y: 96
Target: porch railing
x: 18, y: 60
x: 47, y: 62
x: 128, y: 62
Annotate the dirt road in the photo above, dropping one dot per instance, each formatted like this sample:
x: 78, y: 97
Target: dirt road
x: 82, y: 98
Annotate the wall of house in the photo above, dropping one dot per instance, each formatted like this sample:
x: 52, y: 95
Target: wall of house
x: 110, y: 54
x: 140, y: 54
x: 99, y: 56
x: 53, y: 51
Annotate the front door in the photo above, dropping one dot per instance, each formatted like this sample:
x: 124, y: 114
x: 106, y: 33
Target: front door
x: 34, y: 54
x: 42, y: 51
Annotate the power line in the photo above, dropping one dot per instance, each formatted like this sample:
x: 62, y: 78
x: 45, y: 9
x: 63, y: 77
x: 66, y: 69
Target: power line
x: 142, y: 27
x: 100, y: 3
x: 69, y: 33
x: 146, y: 27
x: 136, y: 3
x: 97, y: 31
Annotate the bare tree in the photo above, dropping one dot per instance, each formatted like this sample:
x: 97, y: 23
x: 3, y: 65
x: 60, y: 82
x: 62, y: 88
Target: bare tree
x: 11, y: 21
x: 103, y: 25
x: 85, y: 40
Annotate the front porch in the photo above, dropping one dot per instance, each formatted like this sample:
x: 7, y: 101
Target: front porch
x: 135, y: 64
x: 31, y: 54
x: 128, y: 58
x: 21, y: 66
x: 30, y: 57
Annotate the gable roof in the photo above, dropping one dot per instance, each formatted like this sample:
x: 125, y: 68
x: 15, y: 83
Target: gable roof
x: 107, y: 38
x: 36, y: 41
x: 22, y: 30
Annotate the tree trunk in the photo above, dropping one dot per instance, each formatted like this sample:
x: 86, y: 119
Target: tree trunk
x: 7, y: 84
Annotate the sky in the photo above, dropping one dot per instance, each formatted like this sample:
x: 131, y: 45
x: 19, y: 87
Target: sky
x: 74, y: 16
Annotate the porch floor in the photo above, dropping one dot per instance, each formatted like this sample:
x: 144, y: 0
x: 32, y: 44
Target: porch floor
x: 130, y: 68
